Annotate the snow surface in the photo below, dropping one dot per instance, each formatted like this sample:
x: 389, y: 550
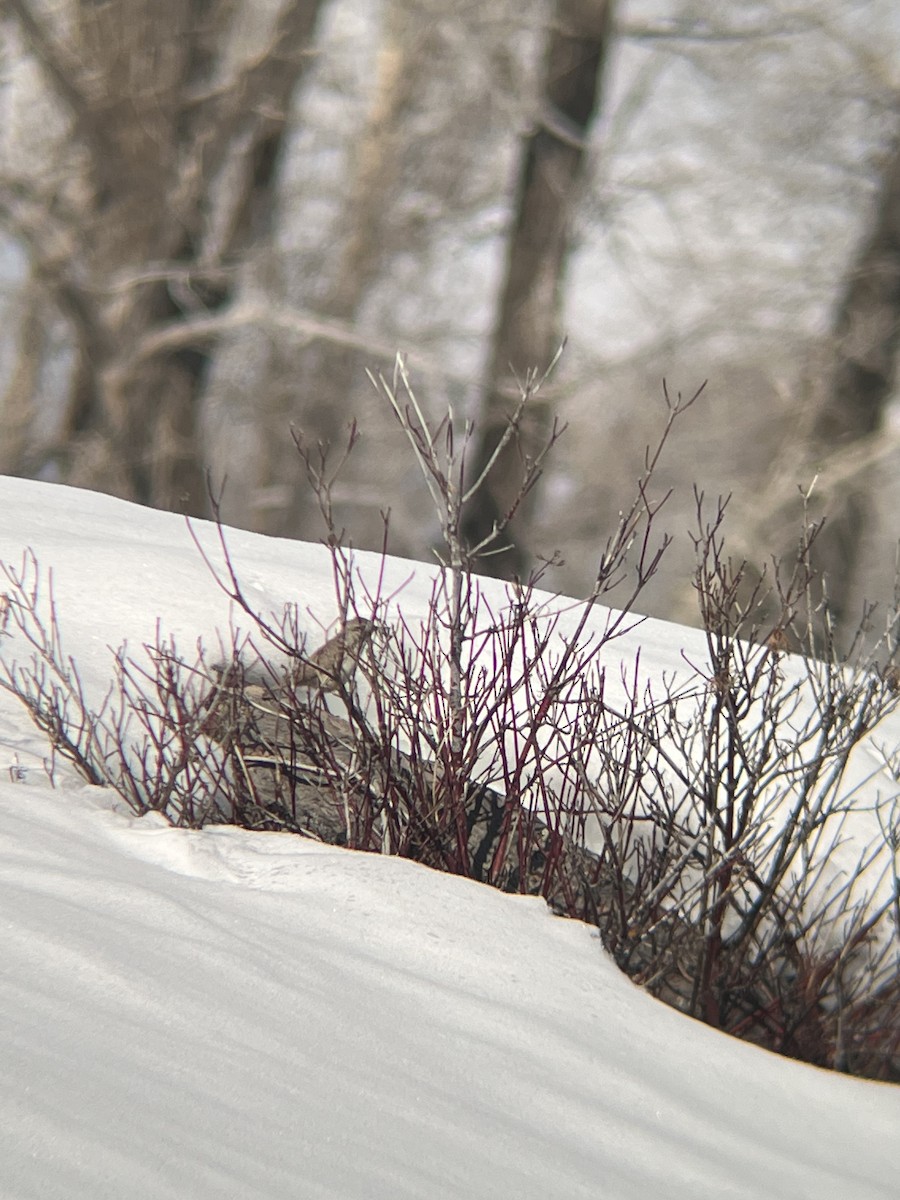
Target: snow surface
x: 224, y: 1014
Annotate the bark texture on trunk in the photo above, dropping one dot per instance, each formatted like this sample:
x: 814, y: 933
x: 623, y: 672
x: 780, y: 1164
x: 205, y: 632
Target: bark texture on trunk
x: 527, y: 331
x: 866, y: 340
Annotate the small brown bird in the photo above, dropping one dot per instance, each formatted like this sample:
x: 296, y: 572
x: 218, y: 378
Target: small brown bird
x: 777, y: 641
x: 335, y: 661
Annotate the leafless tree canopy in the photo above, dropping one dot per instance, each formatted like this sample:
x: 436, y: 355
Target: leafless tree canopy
x: 218, y: 215
x: 170, y: 117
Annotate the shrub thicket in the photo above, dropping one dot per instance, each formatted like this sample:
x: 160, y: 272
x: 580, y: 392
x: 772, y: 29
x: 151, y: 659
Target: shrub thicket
x: 695, y: 821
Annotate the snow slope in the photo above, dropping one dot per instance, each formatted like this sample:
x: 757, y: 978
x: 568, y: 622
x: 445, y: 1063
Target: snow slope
x: 224, y: 1014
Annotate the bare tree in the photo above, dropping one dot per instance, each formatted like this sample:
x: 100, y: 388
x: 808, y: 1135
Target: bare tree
x: 860, y: 379
x: 838, y: 435
x: 312, y: 388
x: 174, y: 114
x: 395, y: 224
x: 428, y: 189
x: 526, y: 329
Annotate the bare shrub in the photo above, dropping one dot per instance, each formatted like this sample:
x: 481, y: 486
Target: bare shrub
x: 725, y: 800
x: 448, y: 739
x: 143, y: 738
x: 699, y: 822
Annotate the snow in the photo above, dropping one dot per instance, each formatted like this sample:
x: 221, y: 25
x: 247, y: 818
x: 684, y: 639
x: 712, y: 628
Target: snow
x: 223, y: 1014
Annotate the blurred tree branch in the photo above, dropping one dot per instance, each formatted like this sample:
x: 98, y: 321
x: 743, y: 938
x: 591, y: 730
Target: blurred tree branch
x: 176, y: 111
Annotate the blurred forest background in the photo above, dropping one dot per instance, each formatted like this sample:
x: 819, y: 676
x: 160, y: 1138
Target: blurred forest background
x: 215, y: 215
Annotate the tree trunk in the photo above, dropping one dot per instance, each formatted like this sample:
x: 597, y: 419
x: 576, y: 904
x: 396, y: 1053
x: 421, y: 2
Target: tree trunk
x: 527, y: 331
x: 866, y: 339
x: 326, y: 372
